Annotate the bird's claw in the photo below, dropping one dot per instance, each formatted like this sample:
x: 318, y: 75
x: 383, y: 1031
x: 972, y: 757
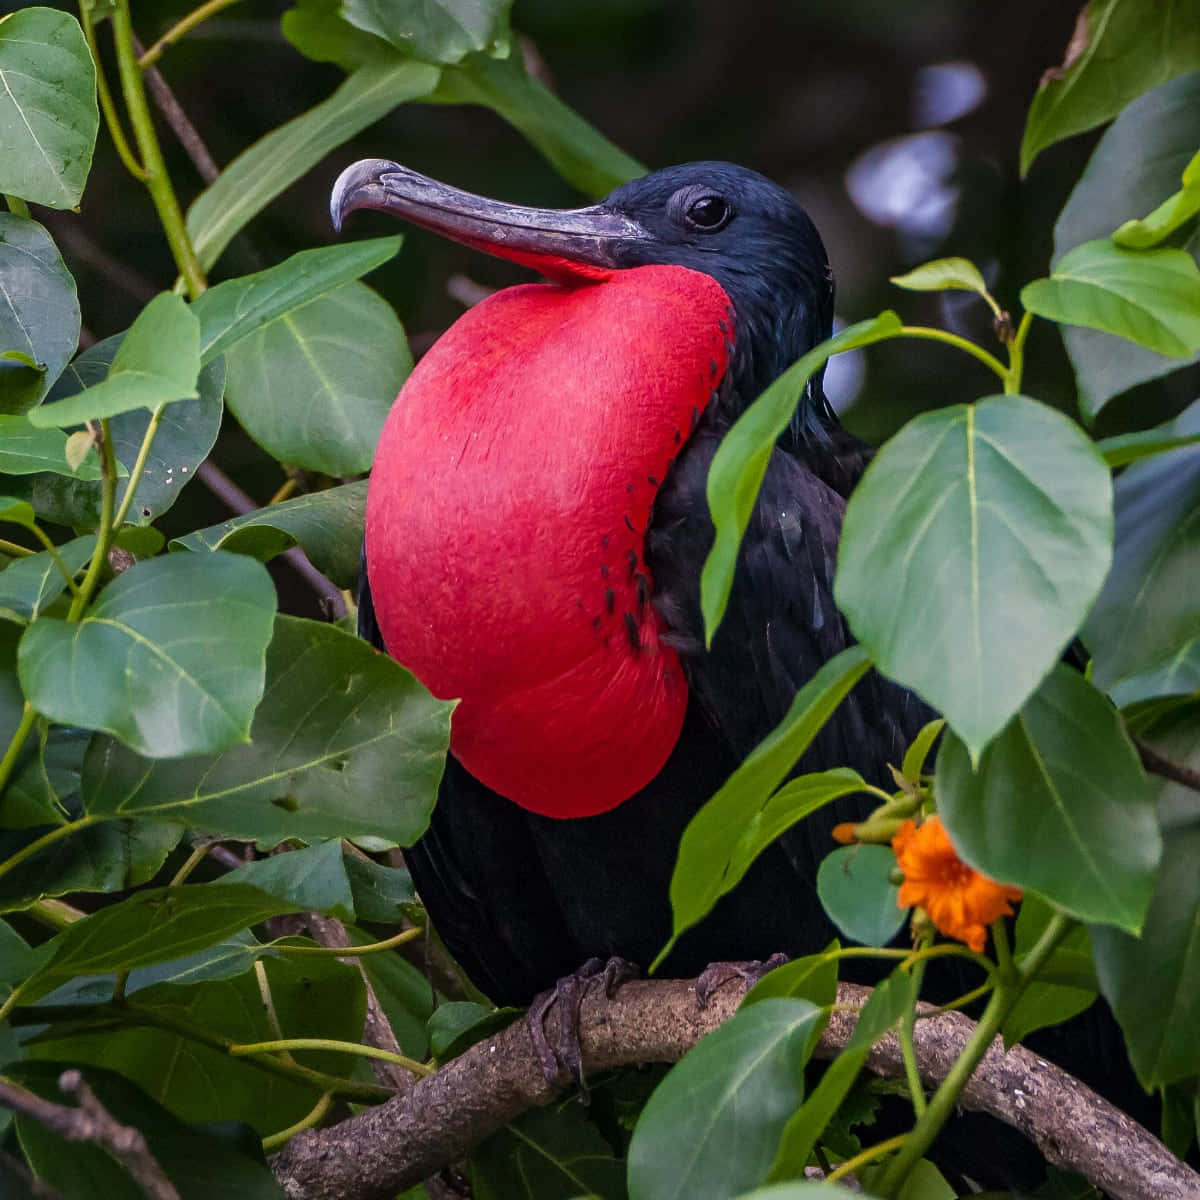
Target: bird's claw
x: 566, y: 1054
x: 717, y: 974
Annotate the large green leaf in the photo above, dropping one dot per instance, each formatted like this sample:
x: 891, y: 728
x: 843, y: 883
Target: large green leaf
x: 1153, y: 981
x: 236, y: 308
x: 44, y: 789
x: 1138, y: 162
x: 1149, y: 609
x: 1120, y: 49
x: 970, y: 553
x: 345, y: 743
x: 855, y: 887
x: 328, y: 527
x: 157, y: 362
x: 1151, y: 297
x: 319, y: 31
x: 711, y: 1127
x: 313, y: 996
x: 882, y: 1010
x: 314, y: 387
x: 153, y: 926
x: 740, y: 463
x: 577, y: 150
x: 169, y: 659
x: 186, y: 434
x: 434, y: 31
x: 39, y: 307
x: 716, y: 837
x: 1125, y: 448
x: 27, y: 585
x: 48, y: 113
x: 1059, y: 805
x: 548, y: 1154
x: 25, y: 450
x: 112, y: 857
x: 275, y: 162
x: 201, y: 1162
x: 313, y: 879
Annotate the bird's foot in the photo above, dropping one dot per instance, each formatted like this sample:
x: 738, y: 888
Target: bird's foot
x: 718, y: 974
x: 566, y: 1054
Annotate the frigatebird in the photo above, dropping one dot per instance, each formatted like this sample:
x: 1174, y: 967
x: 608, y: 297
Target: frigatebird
x: 536, y: 527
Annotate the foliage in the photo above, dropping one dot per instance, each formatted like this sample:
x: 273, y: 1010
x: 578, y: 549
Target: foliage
x: 153, y: 702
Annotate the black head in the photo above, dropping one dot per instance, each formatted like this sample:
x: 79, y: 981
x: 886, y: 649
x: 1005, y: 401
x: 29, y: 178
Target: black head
x: 729, y: 222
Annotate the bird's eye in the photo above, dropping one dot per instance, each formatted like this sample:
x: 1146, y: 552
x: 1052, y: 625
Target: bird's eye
x: 708, y: 213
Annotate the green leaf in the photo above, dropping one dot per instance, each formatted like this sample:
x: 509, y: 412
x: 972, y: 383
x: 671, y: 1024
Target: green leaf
x: 186, y: 434
x: 1176, y: 209
x: 200, y: 1161
x: 1137, y: 162
x: 1120, y: 49
x: 44, y: 790
x: 741, y: 460
x: 328, y: 527
x: 106, y: 858
x: 1046, y: 1003
x: 1151, y: 297
x: 312, y: 879
x: 456, y: 1026
x: 713, y: 837
x: 25, y: 450
x: 153, y: 926
x: 943, y: 274
x: 1178, y: 675
x: 236, y: 308
x: 313, y: 387
x: 1147, y: 611
x: 158, y: 362
x: 380, y: 893
x: 970, y: 553
x: 1059, y: 805
x: 276, y: 161
x: 19, y: 960
x: 812, y: 978
x: 39, y: 307
x: 855, y: 888
x: 712, y: 1126
x: 28, y: 585
x: 1124, y: 448
x: 882, y: 1011
x: 314, y: 996
x: 434, y: 31
x: 924, y: 1182
x: 548, y: 1154
x: 913, y: 766
x: 578, y: 151
x: 797, y: 1190
x: 1153, y: 981
x: 319, y: 31
x: 48, y: 113
x: 22, y: 382
x: 169, y: 659
x: 345, y: 742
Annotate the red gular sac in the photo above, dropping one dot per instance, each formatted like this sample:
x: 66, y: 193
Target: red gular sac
x: 512, y: 488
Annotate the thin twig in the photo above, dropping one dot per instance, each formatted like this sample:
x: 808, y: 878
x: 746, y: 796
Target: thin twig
x: 172, y: 111
x: 241, y: 503
x: 92, y: 1122
x: 1168, y: 768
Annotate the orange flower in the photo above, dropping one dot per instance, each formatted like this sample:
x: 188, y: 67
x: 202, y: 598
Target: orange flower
x: 960, y: 902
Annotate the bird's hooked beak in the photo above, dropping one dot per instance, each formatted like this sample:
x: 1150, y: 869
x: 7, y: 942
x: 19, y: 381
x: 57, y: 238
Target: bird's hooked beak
x: 569, y: 245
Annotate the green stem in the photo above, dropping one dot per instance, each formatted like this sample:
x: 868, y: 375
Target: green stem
x: 158, y: 182
x: 47, y: 839
x: 56, y: 914
x: 16, y: 206
x: 104, y: 535
x: 1016, y: 356
x: 194, y: 859
x: 916, y: 1088
x: 407, y: 935
x: 131, y: 1014
x: 139, y: 466
x: 52, y: 550
x: 287, y: 1044
x: 182, y: 26
x: 312, y: 1118
x: 15, y: 549
x: 111, y: 117
x: 15, y: 745
x: 1010, y: 984
x: 870, y: 1154
x: 953, y: 339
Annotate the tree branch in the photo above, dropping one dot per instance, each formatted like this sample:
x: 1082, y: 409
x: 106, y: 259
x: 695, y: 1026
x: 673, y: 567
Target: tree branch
x: 443, y: 1117
x: 1168, y: 768
x: 92, y: 1122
